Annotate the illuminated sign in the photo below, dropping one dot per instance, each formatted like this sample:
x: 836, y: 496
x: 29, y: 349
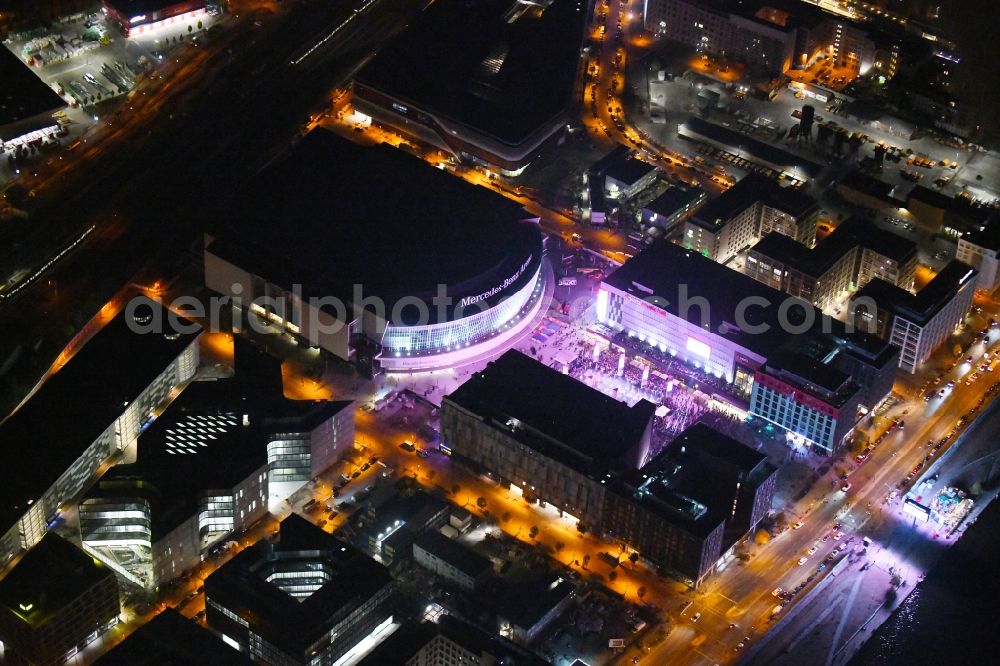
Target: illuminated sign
x: 469, y: 300
x: 699, y: 348
x: 136, y: 19
x: 917, y: 510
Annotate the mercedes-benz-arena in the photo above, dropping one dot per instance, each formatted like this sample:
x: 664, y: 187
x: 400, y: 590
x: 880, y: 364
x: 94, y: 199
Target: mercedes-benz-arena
x: 379, y: 258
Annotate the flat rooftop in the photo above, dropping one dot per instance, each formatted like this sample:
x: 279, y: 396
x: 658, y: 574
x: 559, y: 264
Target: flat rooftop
x: 674, y: 199
x: 749, y: 147
x: 500, y: 67
x: 853, y: 232
x: 283, y: 620
x: 682, y: 484
x: 526, y: 602
x: 136, y: 7
x: 719, y: 211
x: 50, y: 577
x: 921, y: 307
x: 461, y: 557
x: 23, y: 96
x: 629, y: 170
x: 77, y: 404
x: 174, y: 640
x: 663, y: 272
x: 987, y: 237
x: 213, y: 436
x: 865, y: 184
x: 553, y: 413
x: 333, y: 214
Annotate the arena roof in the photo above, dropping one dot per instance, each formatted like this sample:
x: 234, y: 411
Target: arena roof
x: 333, y: 214
x: 501, y: 67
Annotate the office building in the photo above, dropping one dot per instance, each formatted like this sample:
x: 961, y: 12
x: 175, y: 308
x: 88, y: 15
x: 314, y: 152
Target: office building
x: 771, y: 37
x: 217, y: 458
x: 496, y: 89
x: 446, y: 271
x: 90, y: 414
x: 687, y: 507
x: 170, y: 638
x: 54, y: 602
x: 305, y: 598
x: 559, y: 448
x: 141, y: 17
x: 450, y: 560
x: 27, y: 105
x: 978, y: 248
x: 917, y: 323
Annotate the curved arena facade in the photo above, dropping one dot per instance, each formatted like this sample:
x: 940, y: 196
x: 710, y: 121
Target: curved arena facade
x: 474, y: 331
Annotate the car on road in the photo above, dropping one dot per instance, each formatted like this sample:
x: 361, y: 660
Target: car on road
x: 423, y: 454
x: 365, y: 467
x: 796, y: 526
x: 838, y: 536
x: 803, y: 560
x: 356, y: 474
x: 812, y: 551
x: 776, y: 593
x: 696, y: 617
x: 408, y: 446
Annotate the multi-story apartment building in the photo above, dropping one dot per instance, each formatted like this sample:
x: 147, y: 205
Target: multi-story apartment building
x: 850, y: 257
x: 917, y: 323
x: 753, y: 207
x: 978, y: 248
x: 717, y: 27
x: 55, y: 601
x: 89, y: 414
